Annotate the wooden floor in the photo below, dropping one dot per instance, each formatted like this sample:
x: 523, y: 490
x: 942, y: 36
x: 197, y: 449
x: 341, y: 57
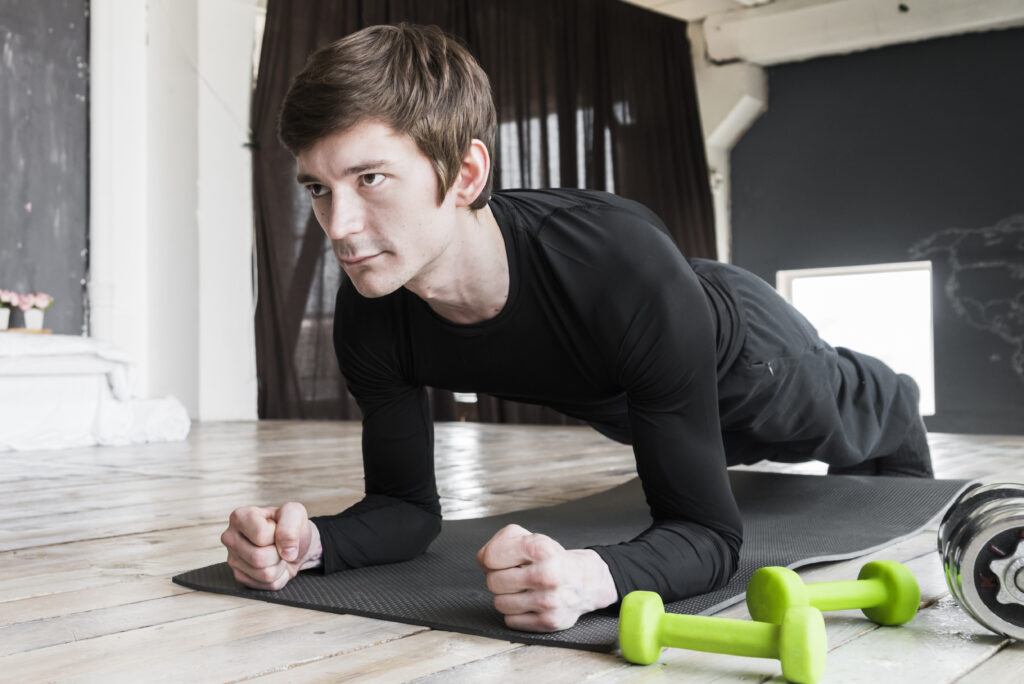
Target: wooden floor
x: 89, y: 539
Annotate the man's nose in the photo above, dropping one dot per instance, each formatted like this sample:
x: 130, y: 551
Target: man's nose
x: 344, y: 219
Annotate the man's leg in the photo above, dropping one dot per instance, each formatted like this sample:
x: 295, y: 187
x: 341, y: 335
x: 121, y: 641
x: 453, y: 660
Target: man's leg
x: 790, y: 396
x: 912, y: 458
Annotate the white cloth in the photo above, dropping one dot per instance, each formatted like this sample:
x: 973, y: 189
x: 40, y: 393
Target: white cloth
x: 62, y: 391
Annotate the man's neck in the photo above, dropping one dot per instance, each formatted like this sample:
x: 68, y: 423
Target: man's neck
x: 472, y: 283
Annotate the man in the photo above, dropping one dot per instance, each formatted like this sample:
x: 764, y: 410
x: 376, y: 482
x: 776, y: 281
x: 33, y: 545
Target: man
x: 574, y: 299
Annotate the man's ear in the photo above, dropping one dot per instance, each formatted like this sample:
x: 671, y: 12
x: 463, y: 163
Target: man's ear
x: 476, y: 165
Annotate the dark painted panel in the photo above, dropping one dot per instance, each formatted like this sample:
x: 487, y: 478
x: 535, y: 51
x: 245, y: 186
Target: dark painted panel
x: 44, y: 162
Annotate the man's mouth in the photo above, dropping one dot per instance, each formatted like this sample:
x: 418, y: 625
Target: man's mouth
x: 357, y: 260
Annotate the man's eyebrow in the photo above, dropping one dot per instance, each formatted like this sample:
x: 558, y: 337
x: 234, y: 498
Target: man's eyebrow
x: 362, y: 167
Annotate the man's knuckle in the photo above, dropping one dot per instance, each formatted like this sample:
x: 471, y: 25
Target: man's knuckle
x: 264, y: 558
x: 543, y: 577
x: 551, y: 621
x: 547, y: 602
x: 244, y: 516
x: 532, y: 546
x: 541, y: 546
x: 266, y: 575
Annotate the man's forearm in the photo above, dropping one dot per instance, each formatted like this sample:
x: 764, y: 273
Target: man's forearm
x: 378, y: 529
x: 674, y: 559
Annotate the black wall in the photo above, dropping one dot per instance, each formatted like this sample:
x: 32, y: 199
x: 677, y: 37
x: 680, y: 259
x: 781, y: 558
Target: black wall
x: 44, y: 161
x: 901, y: 154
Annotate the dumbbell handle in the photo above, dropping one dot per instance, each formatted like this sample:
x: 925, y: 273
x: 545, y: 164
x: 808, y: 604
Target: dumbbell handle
x: 720, y: 635
x: 826, y: 596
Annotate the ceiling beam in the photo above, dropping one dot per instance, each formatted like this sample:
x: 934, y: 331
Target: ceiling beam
x: 793, y: 30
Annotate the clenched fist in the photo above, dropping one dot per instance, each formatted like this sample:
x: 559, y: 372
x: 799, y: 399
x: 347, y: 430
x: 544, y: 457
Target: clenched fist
x: 539, y: 585
x: 268, y: 546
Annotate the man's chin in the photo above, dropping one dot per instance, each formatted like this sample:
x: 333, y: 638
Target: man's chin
x: 372, y: 290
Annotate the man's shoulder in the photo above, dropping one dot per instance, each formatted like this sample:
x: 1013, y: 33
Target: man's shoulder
x: 604, y: 250
x: 567, y: 219
x: 553, y: 199
x: 536, y: 206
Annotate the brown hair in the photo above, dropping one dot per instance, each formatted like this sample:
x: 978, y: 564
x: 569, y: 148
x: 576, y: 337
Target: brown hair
x: 416, y: 79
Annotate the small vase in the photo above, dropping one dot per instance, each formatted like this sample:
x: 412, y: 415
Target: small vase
x: 34, y: 319
x: 5, y: 317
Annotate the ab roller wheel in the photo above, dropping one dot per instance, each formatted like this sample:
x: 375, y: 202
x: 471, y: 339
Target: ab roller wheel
x: 981, y: 544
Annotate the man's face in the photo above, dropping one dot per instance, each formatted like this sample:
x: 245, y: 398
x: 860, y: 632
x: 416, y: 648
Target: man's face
x: 375, y: 195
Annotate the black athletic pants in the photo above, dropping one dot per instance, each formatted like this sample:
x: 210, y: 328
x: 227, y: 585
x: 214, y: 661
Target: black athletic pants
x: 790, y: 396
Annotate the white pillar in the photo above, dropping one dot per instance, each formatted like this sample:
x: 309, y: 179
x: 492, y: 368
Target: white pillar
x: 173, y: 135
x: 730, y: 98
x: 171, y: 212
x: 227, y: 347
x: 118, y: 185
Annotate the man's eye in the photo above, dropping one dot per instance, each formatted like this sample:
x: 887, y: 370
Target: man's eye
x: 372, y: 179
x: 317, y: 190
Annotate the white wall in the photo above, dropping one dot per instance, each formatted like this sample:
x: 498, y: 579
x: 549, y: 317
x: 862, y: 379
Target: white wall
x: 171, y: 216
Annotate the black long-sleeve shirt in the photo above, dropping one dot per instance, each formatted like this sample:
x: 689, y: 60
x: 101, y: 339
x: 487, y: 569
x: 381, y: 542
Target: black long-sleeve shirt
x: 605, y: 321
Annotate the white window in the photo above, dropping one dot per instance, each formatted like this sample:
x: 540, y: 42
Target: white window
x: 535, y: 133
x: 884, y: 310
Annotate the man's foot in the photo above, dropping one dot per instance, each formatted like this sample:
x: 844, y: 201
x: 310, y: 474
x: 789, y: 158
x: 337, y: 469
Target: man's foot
x: 912, y: 457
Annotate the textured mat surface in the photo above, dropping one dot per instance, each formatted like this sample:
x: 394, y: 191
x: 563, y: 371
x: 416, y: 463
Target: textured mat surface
x: 789, y: 520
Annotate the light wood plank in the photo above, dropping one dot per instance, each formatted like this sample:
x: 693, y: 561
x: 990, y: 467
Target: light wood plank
x: 89, y: 624
x: 940, y: 644
x: 1005, y: 667
x: 402, y: 660
x: 534, y: 664
x: 94, y: 597
x: 246, y: 641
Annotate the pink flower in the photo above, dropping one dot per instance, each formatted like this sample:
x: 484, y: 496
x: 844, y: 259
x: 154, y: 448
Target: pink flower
x: 34, y: 300
x: 8, y: 299
x: 43, y: 300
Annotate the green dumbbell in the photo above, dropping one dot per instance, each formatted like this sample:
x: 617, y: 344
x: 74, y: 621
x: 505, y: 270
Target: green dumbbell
x: 798, y: 641
x: 885, y: 591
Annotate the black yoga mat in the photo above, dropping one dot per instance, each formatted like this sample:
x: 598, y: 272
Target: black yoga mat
x: 789, y: 520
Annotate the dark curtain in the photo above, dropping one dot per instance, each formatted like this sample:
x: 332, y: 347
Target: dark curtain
x: 590, y: 93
